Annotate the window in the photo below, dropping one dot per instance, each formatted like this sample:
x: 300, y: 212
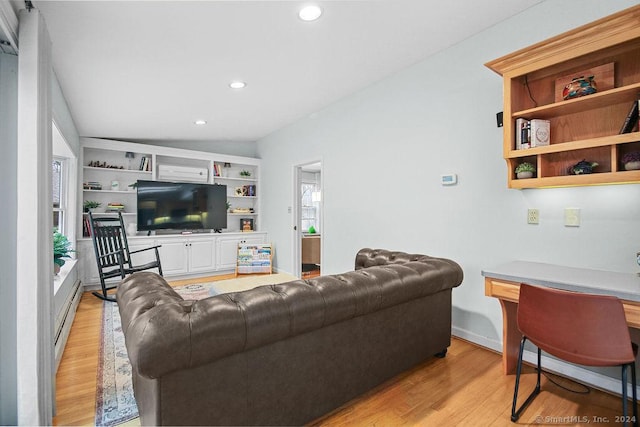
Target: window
x: 309, y: 207
x: 58, y: 183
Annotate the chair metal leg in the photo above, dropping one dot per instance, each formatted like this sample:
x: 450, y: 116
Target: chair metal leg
x: 624, y: 395
x: 625, y: 413
x: 515, y: 414
x: 634, y: 394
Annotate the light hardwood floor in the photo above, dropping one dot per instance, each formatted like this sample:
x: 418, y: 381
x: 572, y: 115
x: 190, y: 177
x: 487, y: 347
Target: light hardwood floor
x: 466, y: 388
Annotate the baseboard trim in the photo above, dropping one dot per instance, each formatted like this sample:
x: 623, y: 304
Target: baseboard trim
x: 64, y: 329
x: 578, y: 373
x: 477, y: 339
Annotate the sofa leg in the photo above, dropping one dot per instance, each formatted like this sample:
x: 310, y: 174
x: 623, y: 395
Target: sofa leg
x: 441, y: 354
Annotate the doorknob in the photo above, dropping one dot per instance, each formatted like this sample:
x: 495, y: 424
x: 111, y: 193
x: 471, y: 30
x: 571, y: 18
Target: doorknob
x: 295, y: 227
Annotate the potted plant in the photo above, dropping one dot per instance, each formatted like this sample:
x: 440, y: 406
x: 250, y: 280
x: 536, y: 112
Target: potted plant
x: 61, y: 250
x: 245, y: 173
x: 631, y: 160
x: 228, y: 207
x: 89, y: 205
x: 525, y: 170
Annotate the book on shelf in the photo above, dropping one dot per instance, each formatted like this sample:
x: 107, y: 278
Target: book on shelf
x: 216, y: 170
x: 86, y: 228
x: 539, y: 133
x: 631, y: 121
x: 145, y: 164
x: 250, y: 190
x: 522, y: 134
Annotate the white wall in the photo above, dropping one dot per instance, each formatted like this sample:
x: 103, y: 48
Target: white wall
x: 384, y: 149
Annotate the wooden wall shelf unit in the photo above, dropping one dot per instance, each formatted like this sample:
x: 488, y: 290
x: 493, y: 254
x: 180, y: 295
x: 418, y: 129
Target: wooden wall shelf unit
x: 584, y: 128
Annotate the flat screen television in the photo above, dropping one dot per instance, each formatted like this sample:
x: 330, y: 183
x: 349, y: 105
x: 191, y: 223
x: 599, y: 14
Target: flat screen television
x: 181, y: 206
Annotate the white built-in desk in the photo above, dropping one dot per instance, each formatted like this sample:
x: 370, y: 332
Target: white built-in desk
x: 503, y: 282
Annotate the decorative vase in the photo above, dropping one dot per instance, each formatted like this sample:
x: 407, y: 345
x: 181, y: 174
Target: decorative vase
x: 632, y: 166
x: 524, y: 175
x: 580, y: 86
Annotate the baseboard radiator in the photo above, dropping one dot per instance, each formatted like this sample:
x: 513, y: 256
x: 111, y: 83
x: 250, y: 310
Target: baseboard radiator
x: 65, y: 320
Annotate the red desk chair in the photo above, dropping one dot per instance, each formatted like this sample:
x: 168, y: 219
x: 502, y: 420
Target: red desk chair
x: 580, y: 328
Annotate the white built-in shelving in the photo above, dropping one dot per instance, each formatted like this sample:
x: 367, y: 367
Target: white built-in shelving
x: 182, y: 255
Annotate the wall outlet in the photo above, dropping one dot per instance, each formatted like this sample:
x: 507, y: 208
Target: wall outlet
x: 572, y: 217
x: 533, y: 216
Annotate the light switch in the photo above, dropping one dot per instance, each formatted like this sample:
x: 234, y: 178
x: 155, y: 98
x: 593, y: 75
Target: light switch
x: 572, y: 217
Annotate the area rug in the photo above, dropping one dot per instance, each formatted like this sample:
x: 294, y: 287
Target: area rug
x: 115, y: 403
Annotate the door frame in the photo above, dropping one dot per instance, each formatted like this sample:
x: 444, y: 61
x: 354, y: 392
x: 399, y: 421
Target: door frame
x: 296, y: 227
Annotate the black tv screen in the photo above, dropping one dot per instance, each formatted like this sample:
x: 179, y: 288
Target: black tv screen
x: 181, y: 206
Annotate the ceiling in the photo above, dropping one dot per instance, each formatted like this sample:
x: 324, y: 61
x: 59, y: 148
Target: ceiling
x: 146, y: 70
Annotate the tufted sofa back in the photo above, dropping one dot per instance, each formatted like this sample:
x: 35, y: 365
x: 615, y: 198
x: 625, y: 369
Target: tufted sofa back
x: 157, y: 322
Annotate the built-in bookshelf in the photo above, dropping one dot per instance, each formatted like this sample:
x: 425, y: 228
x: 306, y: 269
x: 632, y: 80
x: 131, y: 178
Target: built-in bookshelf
x: 112, y: 168
x: 588, y: 128
x: 242, y: 189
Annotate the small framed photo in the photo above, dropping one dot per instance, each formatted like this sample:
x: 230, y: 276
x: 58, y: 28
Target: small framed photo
x: 246, y: 224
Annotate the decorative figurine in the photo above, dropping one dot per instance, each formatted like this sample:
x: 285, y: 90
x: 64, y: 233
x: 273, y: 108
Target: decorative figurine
x: 579, y: 86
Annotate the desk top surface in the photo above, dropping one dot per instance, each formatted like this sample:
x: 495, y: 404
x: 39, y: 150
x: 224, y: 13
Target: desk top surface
x: 622, y: 285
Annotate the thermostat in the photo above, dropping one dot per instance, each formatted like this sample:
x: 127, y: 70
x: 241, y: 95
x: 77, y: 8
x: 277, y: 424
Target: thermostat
x: 449, y: 179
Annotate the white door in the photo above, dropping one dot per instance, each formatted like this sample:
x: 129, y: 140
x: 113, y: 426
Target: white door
x: 299, y: 172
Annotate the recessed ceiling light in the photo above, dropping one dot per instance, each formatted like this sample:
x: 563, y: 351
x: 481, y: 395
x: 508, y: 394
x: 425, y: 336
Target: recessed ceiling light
x: 237, y: 84
x: 200, y: 122
x: 310, y: 13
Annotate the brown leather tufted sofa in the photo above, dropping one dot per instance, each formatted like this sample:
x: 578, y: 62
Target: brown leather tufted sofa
x: 283, y: 354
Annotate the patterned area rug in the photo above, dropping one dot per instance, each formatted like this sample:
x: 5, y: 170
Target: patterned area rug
x: 115, y: 402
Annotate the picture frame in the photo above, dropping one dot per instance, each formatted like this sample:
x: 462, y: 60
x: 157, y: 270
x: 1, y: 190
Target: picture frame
x: 246, y: 224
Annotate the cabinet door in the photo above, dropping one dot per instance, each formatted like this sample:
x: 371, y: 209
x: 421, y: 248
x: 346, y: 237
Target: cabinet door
x: 173, y: 256
x: 89, y: 272
x: 201, y: 255
x: 144, y: 256
x: 87, y: 257
x: 227, y: 253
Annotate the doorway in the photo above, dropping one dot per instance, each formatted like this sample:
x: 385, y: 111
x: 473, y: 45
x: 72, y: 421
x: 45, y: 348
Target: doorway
x: 308, y: 224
